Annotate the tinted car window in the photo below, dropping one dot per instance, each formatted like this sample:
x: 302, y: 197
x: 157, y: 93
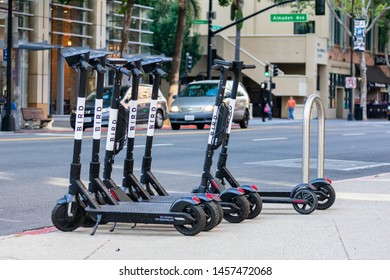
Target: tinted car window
x: 200, y: 90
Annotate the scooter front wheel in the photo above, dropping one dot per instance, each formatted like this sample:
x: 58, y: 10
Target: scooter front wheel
x: 255, y: 204
x: 240, y: 215
x: 199, y: 221
x: 61, y: 220
x: 308, y: 201
x: 326, y: 196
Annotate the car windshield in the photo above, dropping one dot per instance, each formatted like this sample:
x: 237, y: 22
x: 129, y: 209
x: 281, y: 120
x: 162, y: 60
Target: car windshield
x: 209, y: 89
x: 107, y: 93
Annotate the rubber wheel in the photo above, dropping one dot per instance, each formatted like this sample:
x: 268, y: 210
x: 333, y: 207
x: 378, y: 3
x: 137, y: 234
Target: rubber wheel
x: 88, y: 222
x: 60, y: 220
x: 159, y: 119
x: 220, y: 211
x: 175, y: 126
x: 200, y: 125
x: 242, y: 214
x: 255, y: 205
x: 244, y: 123
x: 309, y: 206
x: 326, y: 196
x: 212, y: 215
x: 199, y: 223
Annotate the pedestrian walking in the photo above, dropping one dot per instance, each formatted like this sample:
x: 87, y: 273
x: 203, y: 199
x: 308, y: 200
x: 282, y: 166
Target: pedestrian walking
x: 291, y: 106
x: 264, y: 109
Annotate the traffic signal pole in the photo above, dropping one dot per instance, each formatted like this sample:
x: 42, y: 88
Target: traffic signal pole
x: 212, y: 33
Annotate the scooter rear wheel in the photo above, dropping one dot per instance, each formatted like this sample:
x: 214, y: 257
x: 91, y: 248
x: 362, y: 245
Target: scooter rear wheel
x: 326, y: 196
x: 242, y: 214
x: 195, y: 227
x: 310, y: 204
x: 61, y: 221
x: 212, y: 215
x: 255, y: 205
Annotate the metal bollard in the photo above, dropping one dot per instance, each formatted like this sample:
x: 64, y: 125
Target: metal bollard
x: 306, y: 138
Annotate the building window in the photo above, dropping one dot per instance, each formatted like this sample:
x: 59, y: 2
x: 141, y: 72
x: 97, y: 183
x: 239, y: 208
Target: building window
x: 336, y: 81
x: 381, y: 39
x: 139, y: 36
x: 304, y: 27
x: 337, y: 30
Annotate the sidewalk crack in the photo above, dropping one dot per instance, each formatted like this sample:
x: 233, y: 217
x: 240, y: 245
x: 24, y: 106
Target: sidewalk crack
x: 97, y: 249
x: 341, y: 240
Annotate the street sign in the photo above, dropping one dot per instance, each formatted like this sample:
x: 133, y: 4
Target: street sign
x: 288, y: 17
x: 200, y: 21
x: 350, y: 82
x: 216, y: 27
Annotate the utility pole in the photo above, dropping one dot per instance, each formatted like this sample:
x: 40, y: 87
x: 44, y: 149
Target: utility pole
x: 8, y: 121
x: 350, y: 114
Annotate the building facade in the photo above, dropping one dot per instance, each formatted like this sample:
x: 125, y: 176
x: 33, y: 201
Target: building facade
x: 312, y: 56
x: 40, y: 78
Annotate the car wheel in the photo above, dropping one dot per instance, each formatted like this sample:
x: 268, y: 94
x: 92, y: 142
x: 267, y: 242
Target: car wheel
x: 159, y: 119
x: 200, y: 125
x: 175, y: 126
x: 245, y: 120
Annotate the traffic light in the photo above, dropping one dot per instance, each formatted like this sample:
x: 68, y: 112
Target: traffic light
x: 275, y: 70
x: 188, y: 62
x: 320, y: 7
x: 263, y: 85
x: 266, y: 71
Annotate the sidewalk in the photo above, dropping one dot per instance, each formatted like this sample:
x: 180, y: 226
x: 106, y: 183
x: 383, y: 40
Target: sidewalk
x: 356, y: 227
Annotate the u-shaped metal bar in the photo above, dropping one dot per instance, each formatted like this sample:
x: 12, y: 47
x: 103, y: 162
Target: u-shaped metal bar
x: 306, y: 137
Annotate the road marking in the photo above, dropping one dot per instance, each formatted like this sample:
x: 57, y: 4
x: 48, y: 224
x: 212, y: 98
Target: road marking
x: 353, y: 134
x: 62, y: 182
x: 4, y: 176
x: 364, y: 196
x: 55, y: 134
x: 154, y: 145
x: 12, y: 221
x: 270, y: 139
x: 330, y: 164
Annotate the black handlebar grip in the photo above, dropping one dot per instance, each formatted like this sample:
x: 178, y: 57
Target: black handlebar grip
x: 222, y: 62
x: 160, y: 72
x: 248, y: 66
x: 100, y: 68
x: 124, y: 71
x: 86, y: 65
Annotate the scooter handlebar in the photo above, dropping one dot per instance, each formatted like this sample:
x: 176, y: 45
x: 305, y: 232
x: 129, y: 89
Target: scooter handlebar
x: 248, y: 66
x: 86, y: 65
x: 100, y: 68
x: 223, y: 62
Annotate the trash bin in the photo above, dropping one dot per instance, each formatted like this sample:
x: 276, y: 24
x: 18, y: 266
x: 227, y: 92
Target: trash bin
x: 358, y: 113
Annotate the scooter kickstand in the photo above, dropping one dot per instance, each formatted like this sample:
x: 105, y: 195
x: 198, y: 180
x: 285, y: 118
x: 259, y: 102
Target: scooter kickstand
x: 98, y: 220
x: 113, y: 227
x: 134, y: 225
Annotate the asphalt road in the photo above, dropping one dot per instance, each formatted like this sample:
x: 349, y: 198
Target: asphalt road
x: 34, y: 167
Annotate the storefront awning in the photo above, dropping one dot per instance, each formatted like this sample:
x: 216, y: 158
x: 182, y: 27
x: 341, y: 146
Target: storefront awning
x: 37, y: 46
x: 376, y: 77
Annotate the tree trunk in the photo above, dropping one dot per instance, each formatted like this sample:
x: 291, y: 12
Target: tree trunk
x: 123, y: 48
x: 363, y: 84
x: 175, y: 68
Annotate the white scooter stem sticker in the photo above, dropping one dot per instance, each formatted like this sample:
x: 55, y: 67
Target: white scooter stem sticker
x: 79, y: 122
x: 132, y: 118
x: 232, y: 105
x: 213, y: 125
x: 97, y: 124
x: 152, y: 117
x: 111, y: 129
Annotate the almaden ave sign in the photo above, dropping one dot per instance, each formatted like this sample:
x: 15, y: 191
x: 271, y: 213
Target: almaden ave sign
x: 288, y: 17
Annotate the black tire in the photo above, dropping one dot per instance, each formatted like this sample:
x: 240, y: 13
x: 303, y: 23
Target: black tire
x: 255, y: 204
x: 220, y: 212
x: 244, y: 123
x: 200, y: 125
x: 326, y: 196
x: 199, y: 223
x: 60, y: 220
x: 212, y: 215
x: 88, y: 222
x: 159, y: 119
x: 175, y: 126
x: 309, y: 206
x: 242, y: 214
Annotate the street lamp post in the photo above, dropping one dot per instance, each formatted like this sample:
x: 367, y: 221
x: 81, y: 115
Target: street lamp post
x: 350, y: 114
x: 8, y: 121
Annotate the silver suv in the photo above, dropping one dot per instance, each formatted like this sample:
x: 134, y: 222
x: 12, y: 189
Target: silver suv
x: 195, y: 104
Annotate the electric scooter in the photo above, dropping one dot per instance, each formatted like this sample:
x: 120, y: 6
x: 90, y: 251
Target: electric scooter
x: 184, y: 214
x: 235, y: 205
x: 302, y: 197
x: 130, y: 183
x: 222, y: 173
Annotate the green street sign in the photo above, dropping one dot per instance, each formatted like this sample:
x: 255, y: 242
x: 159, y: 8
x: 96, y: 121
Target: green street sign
x: 288, y: 17
x: 216, y: 27
x: 200, y: 21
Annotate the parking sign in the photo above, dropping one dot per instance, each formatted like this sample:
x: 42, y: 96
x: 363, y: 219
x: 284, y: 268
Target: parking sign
x: 350, y: 82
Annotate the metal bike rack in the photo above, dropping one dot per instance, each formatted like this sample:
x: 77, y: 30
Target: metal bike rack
x: 306, y: 137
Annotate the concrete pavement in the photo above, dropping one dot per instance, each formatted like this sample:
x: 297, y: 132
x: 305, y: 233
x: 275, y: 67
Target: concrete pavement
x: 356, y: 227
